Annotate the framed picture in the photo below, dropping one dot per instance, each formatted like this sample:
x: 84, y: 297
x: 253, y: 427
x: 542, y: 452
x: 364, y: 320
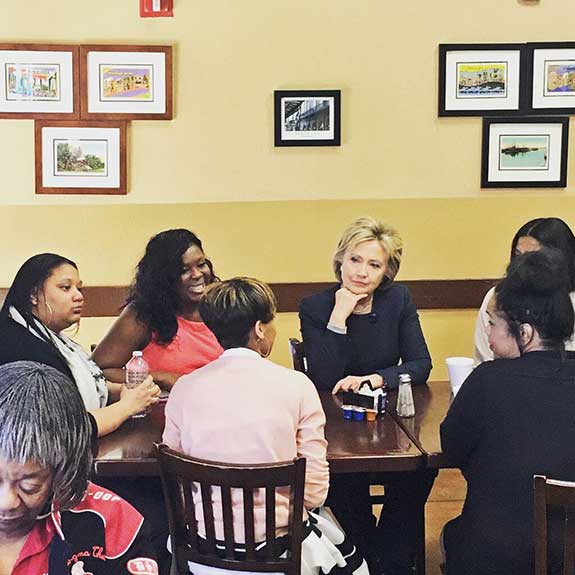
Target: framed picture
x: 480, y: 79
x: 551, y: 77
x: 307, y: 117
x: 39, y: 81
x: 525, y: 152
x: 78, y: 157
x: 126, y: 82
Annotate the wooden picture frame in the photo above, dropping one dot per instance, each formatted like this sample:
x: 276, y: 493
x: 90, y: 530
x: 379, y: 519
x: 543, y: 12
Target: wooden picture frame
x: 551, y: 78
x: 80, y: 157
x: 525, y: 152
x: 481, y: 79
x: 125, y: 82
x: 307, y: 118
x: 39, y: 81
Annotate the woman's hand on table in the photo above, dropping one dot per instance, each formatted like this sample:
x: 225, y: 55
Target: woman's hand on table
x: 141, y: 397
x: 353, y: 382
x: 345, y: 302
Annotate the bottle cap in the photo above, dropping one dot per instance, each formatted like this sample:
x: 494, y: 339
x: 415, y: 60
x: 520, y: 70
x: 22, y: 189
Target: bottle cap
x: 404, y: 378
x: 136, y: 354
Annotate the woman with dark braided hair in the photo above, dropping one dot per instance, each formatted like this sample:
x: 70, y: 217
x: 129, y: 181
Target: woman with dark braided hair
x: 161, y: 315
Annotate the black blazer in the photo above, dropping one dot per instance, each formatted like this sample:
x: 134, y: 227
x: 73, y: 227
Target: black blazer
x: 374, y: 343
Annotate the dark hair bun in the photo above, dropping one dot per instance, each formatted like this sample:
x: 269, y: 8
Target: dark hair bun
x: 541, y: 273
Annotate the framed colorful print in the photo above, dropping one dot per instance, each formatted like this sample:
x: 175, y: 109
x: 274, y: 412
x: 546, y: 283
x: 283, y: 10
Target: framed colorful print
x: 480, y: 79
x: 551, y: 77
x: 126, y: 82
x: 526, y: 152
x: 80, y: 157
x: 39, y: 81
x: 307, y: 117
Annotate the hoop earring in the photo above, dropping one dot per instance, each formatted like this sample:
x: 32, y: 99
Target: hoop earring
x: 50, y: 311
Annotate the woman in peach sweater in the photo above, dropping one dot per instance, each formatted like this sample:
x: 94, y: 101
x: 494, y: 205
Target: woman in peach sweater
x: 246, y: 409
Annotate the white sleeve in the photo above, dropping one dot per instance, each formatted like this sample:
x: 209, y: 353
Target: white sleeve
x: 482, y: 351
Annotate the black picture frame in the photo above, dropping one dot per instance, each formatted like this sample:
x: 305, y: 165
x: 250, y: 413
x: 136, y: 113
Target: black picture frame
x: 522, y: 133
x: 537, y: 93
x: 452, y: 103
x: 312, y: 127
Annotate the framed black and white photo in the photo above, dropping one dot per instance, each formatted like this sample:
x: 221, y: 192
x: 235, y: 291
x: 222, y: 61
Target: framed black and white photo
x: 39, y: 81
x: 551, y: 75
x: 76, y: 157
x: 527, y: 152
x: 307, y: 117
x: 480, y: 79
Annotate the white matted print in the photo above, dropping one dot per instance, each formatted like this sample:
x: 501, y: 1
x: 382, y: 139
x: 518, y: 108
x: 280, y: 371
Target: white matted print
x: 553, y: 72
x: 36, y: 82
x: 520, y: 153
x: 126, y: 83
x: 474, y: 80
x: 88, y: 158
x: 307, y: 117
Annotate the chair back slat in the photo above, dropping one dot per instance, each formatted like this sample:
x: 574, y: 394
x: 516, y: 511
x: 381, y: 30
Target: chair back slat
x: 179, y: 472
x: 549, y: 493
x: 206, y: 491
x: 228, y: 521
x: 249, y: 524
x: 271, y: 522
x: 189, y: 525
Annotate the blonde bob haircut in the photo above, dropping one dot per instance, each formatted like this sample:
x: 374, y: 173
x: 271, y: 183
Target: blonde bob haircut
x: 366, y: 229
x: 232, y: 307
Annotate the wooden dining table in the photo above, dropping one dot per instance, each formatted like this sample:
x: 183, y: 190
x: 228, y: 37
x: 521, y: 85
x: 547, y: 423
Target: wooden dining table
x: 353, y: 446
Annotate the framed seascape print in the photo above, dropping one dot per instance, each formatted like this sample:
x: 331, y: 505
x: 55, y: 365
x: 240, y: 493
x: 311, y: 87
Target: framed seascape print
x: 80, y: 157
x: 526, y: 152
x: 126, y: 82
x: 551, y: 77
x: 307, y: 117
x: 480, y: 79
x: 39, y: 81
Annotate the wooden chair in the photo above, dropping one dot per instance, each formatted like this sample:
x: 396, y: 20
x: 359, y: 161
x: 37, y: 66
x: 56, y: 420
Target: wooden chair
x: 297, y: 354
x: 179, y: 473
x: 557, y: 494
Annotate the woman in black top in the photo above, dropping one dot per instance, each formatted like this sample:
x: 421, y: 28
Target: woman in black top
x: 512, y: 419
x: 361, y: 330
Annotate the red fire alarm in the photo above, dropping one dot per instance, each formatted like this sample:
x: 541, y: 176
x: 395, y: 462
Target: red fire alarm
x: 156, y: 8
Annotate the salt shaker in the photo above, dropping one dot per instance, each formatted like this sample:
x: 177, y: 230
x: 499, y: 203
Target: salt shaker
x: 405, y: 406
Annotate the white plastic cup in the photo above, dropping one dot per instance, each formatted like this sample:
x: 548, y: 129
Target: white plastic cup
x: 459, y: 368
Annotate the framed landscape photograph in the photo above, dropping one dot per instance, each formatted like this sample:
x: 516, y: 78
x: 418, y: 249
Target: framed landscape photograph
x: 480, y: 79
x: 39, y: 81
x: 551, y: 77
x: 307, y: 117
x: 525, y: 152
x: 126, y: 82
x: 80, y: 157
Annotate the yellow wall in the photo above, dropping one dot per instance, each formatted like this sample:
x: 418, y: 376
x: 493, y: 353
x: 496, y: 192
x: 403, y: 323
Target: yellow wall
x: 213, y: 168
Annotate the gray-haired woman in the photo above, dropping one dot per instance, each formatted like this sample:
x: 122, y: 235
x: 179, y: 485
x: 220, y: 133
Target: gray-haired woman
x: 52, y: 519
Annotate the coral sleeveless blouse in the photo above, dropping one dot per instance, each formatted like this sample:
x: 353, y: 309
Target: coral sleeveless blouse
x: 193, y: 346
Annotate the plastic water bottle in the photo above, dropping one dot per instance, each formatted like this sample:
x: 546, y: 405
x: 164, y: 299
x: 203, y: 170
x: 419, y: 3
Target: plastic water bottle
x: 136, y: 372
x: 405, y: 406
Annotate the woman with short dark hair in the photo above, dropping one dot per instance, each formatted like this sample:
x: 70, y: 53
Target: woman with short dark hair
x: 246, y: 409
x: 531, y: 236
x: 52, y: 519
x: 512, y: 419
x: 161, y: 316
